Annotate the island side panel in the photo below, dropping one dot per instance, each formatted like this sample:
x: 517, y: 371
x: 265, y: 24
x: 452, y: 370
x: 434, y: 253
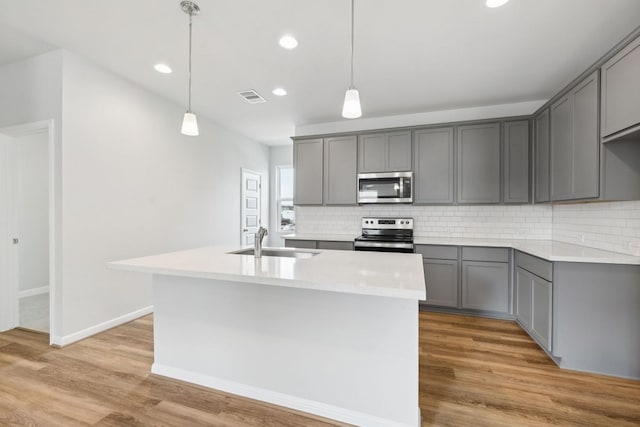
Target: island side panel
x: 349, y: 357
x: 597, y: 318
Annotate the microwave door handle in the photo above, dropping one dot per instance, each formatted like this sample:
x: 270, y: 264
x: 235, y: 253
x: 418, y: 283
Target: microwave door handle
x: 401, y: 188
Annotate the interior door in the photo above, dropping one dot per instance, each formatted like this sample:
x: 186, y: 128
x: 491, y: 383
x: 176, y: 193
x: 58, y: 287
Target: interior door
x: 251, y: 205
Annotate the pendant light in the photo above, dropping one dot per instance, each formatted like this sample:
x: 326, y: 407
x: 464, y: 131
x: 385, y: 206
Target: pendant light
x: 351, y: 108
x: 190, y: 121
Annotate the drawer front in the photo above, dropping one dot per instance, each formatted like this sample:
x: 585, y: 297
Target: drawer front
x: 338, y: 246
x: 537, y: 266
x: 437, y: 251
x: 302, y: 244
x: 485, y: 254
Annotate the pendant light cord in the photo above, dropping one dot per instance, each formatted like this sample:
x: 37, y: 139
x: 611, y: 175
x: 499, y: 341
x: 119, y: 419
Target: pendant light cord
x: 352, y: 8
x: 190, y: 22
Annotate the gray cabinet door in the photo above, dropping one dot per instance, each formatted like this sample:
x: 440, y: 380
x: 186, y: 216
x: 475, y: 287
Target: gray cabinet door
x: 575, y: 147
x: 479, y: 163
x: 333, y: 245
x: 399, y: 151
x: 541, y: 316
x: 340, y: 175
x: 441, y: 279
x: 586, y: 140
x: 301, y: 244
x: 434, y: 166
x: 541, y: 148
x: 621, y: 90
x: 562, y: 148
x: 307, y: 163
x: 372, y: 153
x: 485, y: 286
x: 516, y: 162
x: 385, y: 152
x: 523, y: 296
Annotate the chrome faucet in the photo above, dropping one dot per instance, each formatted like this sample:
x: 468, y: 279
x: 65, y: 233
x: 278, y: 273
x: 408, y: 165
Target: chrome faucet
x: 257, y: 249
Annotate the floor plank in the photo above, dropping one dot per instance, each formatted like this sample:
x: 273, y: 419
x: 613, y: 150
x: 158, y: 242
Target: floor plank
x: 473, y: 371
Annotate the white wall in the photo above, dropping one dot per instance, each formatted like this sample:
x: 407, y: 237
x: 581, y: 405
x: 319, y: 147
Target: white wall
x: 134, y: 186
x: 281, y: 155
x: 6, y: 305
x: 31, y: 91
x: 32, y: 210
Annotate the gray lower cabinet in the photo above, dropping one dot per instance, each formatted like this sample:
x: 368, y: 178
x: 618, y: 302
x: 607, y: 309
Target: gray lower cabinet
x: 302, y: 244
x: 479, y: 163
x: 307, y: 163
x: 620, y: 103
x: 385, y: 152
x: 319, y: 244
x: 334, y: 245
x: 533, y: 297
x: 434, y: 166
x: 485, y: 286
x: 575, y: 146
x: 541, y: 311
x: 515, y: 160
x: 541, y: 150
x: 441, y: 279
x: 340, y: 175
x: 523, y: 295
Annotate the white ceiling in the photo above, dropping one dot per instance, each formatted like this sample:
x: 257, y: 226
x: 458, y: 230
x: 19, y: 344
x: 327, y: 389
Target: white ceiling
x: 410, y: 55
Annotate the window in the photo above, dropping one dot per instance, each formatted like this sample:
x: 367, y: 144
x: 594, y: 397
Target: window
x: 286, y: 213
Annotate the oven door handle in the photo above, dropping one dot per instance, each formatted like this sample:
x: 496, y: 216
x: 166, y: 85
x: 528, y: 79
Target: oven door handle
x: 383, y: 245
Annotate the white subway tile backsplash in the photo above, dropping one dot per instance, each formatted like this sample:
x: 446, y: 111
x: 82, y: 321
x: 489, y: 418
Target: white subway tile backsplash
x: 507, y: 222
x: 613, y: 226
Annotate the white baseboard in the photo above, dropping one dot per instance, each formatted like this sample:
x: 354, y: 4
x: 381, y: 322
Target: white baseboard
x: 35, y: 291
x: 77, y: 336
x: 305, y: 405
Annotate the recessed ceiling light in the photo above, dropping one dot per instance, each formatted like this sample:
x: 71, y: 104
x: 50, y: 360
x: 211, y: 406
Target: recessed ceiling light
x: 288, y: 42
x: 163, y: 68
x: 496, y: 3
x: 279, y: 91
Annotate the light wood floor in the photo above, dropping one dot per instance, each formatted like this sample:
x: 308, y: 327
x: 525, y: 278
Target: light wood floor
x: 473, y: 372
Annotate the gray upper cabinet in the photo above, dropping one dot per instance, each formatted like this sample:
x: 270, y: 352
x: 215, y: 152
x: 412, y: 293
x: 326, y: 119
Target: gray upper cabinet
x: 340, y: 176
x: 516, y: 162
x: 384, y: 152
x: 434, y: 166
x: 479, y: 163
x: 575, y: 148
x: 307, y: 163
x: 541, y: 148
x: 621, y: 90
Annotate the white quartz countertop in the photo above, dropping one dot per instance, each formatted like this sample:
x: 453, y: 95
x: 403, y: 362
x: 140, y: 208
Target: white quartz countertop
x: 391, y: 275
x: 547, y: 249
x: 319, y: 236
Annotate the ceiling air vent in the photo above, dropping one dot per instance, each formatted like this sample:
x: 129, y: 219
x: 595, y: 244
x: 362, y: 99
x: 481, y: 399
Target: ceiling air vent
x: 251, y: 96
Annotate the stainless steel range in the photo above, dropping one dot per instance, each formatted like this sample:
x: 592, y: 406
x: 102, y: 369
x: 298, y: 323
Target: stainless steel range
x: 385, y: 235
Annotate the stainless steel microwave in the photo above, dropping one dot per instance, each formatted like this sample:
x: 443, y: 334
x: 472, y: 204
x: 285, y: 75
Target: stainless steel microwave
x: 387, y: 187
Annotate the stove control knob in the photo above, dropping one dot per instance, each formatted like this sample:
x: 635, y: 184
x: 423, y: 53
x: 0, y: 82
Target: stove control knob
x: 401, y: 222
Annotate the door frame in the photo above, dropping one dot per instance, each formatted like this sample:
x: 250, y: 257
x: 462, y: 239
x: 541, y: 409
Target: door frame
x: 242, y: 172
x: 9, y: 317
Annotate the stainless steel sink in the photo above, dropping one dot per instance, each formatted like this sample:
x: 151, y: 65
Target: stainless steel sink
x: 277, y: 252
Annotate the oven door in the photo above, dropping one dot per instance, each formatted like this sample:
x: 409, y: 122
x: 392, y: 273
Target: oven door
x: 393, y: 187
x: 360, y: 245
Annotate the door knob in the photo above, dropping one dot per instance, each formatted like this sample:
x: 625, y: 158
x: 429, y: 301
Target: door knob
x: 245, y: 229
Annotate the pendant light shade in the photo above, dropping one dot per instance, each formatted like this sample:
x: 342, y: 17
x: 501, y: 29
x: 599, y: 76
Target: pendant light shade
x: 190, y: 124
x: 190, y: 121
x: 351, y: 108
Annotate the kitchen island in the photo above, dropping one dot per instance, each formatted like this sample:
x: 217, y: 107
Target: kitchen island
x: 333, y: 333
